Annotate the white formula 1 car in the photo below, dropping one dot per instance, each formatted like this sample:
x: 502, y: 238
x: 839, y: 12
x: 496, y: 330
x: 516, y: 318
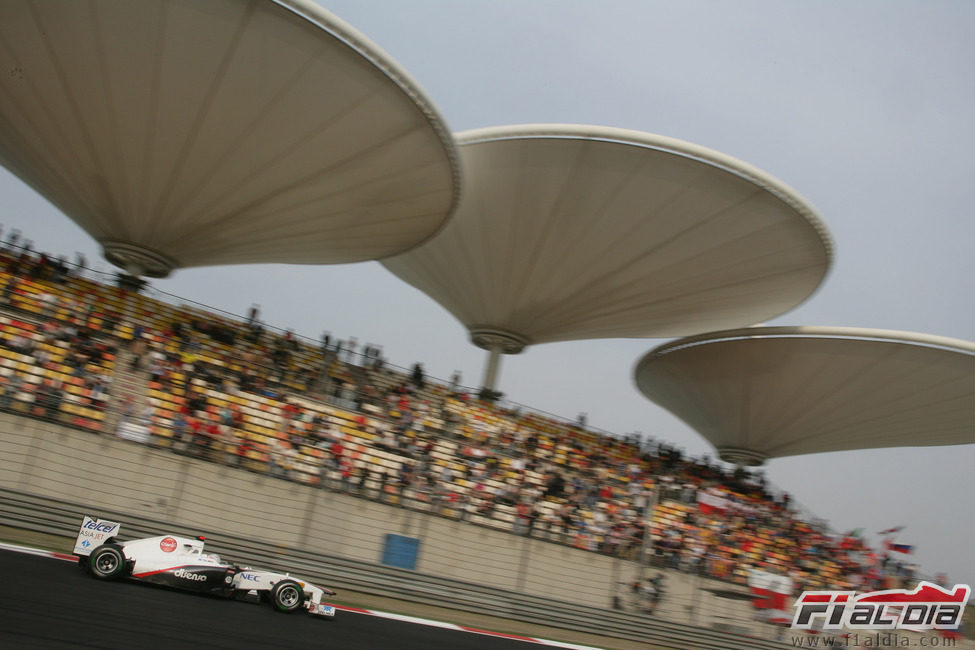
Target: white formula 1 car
x: 180, y: 562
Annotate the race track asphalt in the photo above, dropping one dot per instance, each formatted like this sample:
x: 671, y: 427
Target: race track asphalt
x: 46, y: 603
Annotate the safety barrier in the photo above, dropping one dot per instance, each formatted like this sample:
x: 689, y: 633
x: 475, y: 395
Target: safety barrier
x: 60, y: 517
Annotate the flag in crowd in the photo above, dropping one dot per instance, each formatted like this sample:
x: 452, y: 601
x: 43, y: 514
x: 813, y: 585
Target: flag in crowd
x: 770, y: 593
x: 900, y: 548
x: 891, y: 531
x: 712, y: 500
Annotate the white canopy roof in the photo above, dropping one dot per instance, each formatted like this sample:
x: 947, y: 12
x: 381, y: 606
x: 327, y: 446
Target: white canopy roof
x: 767, y: 392
x: 186, y: 133
x: 572, y: 232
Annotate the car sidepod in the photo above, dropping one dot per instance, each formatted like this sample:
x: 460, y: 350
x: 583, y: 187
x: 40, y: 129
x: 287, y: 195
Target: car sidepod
x: 202, y: 578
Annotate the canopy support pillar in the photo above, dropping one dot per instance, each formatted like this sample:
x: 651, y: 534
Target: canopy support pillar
x: 491, y: 368
x: 496, y: 342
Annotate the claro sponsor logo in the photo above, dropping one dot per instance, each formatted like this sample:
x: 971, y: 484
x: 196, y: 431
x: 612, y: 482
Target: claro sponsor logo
x: 167, y: 545
x: 183, y: 573
x: 928, y: 607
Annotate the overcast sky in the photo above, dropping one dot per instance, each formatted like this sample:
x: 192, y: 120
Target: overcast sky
x: 865, y: 108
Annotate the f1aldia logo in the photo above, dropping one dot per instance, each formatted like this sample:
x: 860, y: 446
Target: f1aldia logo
x: 927, y: 607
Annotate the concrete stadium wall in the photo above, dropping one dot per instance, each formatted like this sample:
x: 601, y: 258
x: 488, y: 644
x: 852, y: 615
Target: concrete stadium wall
x: 118, y: 475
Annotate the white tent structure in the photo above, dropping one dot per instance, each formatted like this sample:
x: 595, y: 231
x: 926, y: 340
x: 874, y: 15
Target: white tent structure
x: 767, y: 392
x: 182, y: 133
x: 572, y: 232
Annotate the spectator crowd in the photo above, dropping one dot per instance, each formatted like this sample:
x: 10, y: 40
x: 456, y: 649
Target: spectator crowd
x: 336, y: 415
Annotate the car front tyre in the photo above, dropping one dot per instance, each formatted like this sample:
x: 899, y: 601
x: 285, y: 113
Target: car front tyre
x: 107, y: 562
x: 287, y: 596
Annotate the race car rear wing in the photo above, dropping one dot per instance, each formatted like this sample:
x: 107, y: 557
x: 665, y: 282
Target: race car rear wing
x: 93, y: 533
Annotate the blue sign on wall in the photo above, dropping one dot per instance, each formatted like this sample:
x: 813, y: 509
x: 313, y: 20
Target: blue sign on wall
x: 400, y: 551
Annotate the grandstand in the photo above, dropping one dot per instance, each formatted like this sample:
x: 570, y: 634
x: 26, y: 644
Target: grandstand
x: 358, y: 426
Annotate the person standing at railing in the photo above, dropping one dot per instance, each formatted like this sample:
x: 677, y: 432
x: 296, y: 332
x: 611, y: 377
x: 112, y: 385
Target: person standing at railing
x: 418, y: 377
x: 327, y: 463
x: 275, y: 465
x: 230, y: 442
x: 347, y: 470
x: 253, y: 314
x: 12, y: 386
x: 362, y: 479
x: 381, y: 491
x: 10, y: 288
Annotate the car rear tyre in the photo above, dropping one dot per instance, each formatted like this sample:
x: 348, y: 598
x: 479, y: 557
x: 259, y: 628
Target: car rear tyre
x: 287, y: 596
x: 107, y: 562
